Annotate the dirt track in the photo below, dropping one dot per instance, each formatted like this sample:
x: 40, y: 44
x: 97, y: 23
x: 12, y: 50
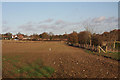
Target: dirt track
x: 66, y: 60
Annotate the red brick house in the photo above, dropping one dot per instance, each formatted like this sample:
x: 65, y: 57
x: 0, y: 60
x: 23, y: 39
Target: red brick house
x: 20, y: 36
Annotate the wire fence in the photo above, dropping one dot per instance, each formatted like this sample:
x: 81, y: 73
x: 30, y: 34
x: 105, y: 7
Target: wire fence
x: 110, y: 47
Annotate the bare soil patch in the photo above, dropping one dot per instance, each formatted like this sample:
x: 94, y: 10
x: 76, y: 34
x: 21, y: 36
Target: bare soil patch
x: 67, y: 61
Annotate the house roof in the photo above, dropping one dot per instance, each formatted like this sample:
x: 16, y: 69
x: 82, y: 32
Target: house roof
x: 5, y: 36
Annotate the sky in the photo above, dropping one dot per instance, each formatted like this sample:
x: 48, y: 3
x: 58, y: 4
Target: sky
x: 58, y: 17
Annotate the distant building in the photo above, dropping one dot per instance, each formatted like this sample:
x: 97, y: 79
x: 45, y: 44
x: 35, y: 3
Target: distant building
x: 20, y: 36
x: 5, y: 37
x: 27, y: 38
x: 14, y: 36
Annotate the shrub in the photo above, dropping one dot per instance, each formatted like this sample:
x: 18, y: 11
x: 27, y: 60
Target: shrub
x: 84, y: 37
x: 96, y: 40
x: 73, y: 37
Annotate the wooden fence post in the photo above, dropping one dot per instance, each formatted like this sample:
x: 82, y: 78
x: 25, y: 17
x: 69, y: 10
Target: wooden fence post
x: 106, y: 49
x: 90, y: 42
x: 87, y: 46
x: 99, y: 49
x: 79, y: 45
x: 84, y: 45
x: 114, y: 45
x: 93, y: 47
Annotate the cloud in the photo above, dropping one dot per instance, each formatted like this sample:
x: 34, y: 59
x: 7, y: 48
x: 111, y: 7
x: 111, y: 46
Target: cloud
x: 27, y: 27
x: 49, y: 27
x: 99, y: 19
x: 58, y: 22
x: 101, y: 24
x: 6, y: 29
x: 111, y: 20
x: 43, y: 26
x: 4, y: 22
x: 46, y: 21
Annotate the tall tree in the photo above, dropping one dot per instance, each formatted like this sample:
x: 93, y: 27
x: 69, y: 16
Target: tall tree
x: 65, y: 36
x: 73, y: 37
x: 45, y: 35
x: 35, y: 36
x: 51, y: 35
x: 91, y: 29
x: 96, y: 40
x: 83, y: 37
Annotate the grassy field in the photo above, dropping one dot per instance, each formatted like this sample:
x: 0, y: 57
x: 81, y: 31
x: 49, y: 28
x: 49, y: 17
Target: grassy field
x: 26, y: 70
x: 19, y: 63
x: 42, y: 59
x: 111, y: 55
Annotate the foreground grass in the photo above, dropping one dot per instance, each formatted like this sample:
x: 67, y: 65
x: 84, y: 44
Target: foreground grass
x: 112, y: 55
x: 34, y: 69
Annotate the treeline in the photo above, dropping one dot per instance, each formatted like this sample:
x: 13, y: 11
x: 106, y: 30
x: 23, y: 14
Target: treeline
x: 49, y: 36
x: 85, y: 37
x: 35, y: 37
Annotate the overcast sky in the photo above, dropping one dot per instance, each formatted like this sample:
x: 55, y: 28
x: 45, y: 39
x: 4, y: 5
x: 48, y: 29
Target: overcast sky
x: 58, y: 17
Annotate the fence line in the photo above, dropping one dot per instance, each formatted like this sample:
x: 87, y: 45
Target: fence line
x: 92, y: 47
x: 109, y: 47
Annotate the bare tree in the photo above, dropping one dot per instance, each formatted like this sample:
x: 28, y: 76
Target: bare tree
x: 51, y: 35
x: 91, y: 29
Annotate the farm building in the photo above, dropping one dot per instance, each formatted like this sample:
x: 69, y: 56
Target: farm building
x: 14, y: 36
x: 5, y: 37
x: 20, y: 36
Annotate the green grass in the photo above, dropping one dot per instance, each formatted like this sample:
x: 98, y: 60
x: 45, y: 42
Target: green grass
x: 13, y: 59
x: 112, y: 55
x: 35, y: 69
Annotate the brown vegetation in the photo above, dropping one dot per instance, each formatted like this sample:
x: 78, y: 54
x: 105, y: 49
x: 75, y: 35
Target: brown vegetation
x: 67, y: 61
x: 85, y: 37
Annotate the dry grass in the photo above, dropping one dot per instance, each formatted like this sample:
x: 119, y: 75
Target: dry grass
x: 53, y: 59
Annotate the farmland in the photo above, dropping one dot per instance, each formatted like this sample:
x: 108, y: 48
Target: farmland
x: 41, y: 59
